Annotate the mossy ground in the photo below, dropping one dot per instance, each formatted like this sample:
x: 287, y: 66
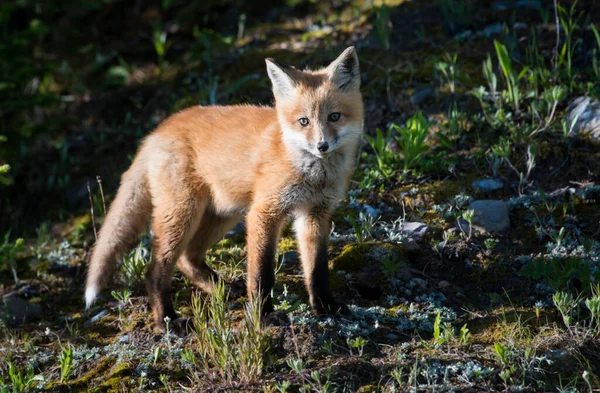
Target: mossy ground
x: 388, y: 343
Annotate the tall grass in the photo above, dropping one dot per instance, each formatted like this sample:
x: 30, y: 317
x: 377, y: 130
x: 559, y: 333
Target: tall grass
x: 228, y: 353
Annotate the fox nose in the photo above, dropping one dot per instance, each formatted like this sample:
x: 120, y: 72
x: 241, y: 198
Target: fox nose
x: 322, y: 146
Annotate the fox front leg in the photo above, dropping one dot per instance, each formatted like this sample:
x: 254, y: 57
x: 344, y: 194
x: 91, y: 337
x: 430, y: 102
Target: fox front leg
x: 263, y: 228
x: 312, y: 232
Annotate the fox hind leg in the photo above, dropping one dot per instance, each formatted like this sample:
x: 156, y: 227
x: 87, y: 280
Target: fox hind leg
x: 174, y: 223
x: 212, y: 227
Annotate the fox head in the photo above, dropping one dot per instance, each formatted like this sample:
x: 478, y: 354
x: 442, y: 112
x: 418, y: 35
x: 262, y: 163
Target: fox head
x: 321, y: 110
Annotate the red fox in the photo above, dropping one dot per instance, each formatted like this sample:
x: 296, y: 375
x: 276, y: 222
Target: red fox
x: 205, y: 168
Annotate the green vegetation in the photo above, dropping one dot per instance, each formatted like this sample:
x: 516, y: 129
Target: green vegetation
x: 464, y: 101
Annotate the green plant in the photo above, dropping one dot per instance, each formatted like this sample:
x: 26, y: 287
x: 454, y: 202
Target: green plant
x: 412, y: 141
x: 135, y: 264
x: 363, y: 226
x: 596, y: 52
x: 283, y: 386
x: 565, y: 304
x: 510, y: 75
x: 443, y: 333
x: 66, y: 363
x: 383, y: 26
x: 557, y: 272
x: 569, y: 127
x: 327, y: 347
x: 385, y: 158
x: 502, y: 151
x: 593, y: 305
x: 8, y: 254
x: 569, y: 22
x: 156, y: 355
x: 232, y: 354
x: 390, y: 266
x: 161, y: 45
x: 446, y: 70
x: 311, y: 382
x: 464, y: 335
x: 357, y: 343
x: 467, y: 215
x: 123, y: 297
x: 19, y: 382
x: 164, y: 379
x: 456, y: 13
x: 4, y: 168
x: 490, y: 243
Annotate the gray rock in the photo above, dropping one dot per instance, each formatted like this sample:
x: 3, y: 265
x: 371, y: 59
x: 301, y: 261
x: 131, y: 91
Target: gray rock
x: 443, y: 284
x: 123, y: 339
x: 420, y: 282
x: 415, y: 230
x: 370, y: 210
x: 392, y: 337
x: 421, y: 96
x: 587, y: 113
x: 96, y: 317
x: 487, y: 185
x: 489, y: 216
x: 15, y: 309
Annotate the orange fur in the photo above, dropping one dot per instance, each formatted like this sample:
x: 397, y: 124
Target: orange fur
x: 205, y: 168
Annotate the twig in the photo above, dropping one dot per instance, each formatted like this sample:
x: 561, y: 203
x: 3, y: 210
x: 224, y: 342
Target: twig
x: 99, y: 180
x: 92, y: 211
x: 557, y: 22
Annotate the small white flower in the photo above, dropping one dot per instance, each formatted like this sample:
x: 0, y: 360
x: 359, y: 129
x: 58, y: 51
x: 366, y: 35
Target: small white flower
x: 47, y: 332
x: 167, y: 319
x: 376, y: 324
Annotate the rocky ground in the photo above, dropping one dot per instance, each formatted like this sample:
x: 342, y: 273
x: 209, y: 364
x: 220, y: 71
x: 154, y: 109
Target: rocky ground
x: 467, y: 248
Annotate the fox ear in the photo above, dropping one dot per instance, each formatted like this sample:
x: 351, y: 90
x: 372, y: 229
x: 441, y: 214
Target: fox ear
x: 281, y: 77
x: 343, y: 71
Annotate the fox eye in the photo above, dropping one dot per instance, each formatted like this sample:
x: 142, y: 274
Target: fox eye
x: 335, y: 116
x: 303, y: 121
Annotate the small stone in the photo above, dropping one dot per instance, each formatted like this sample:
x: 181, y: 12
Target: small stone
x: 587, y: 113
x: 443, y: 284
x: 96, y: 317
x: 392, y: 337
x: 421, y: 96
x: 290, y: 257
x: 123, y: 339
x: 17, y: 310
x: 487, y: 185
x: 371, y: 211
x: 420, y: 282
x: 415, y: 230
x: 488, y: 216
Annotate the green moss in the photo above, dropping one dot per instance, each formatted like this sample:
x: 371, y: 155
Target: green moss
x: 369, y: 389
x: 354, y: 256
x: 96, y: 372
x: 117, y: 378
